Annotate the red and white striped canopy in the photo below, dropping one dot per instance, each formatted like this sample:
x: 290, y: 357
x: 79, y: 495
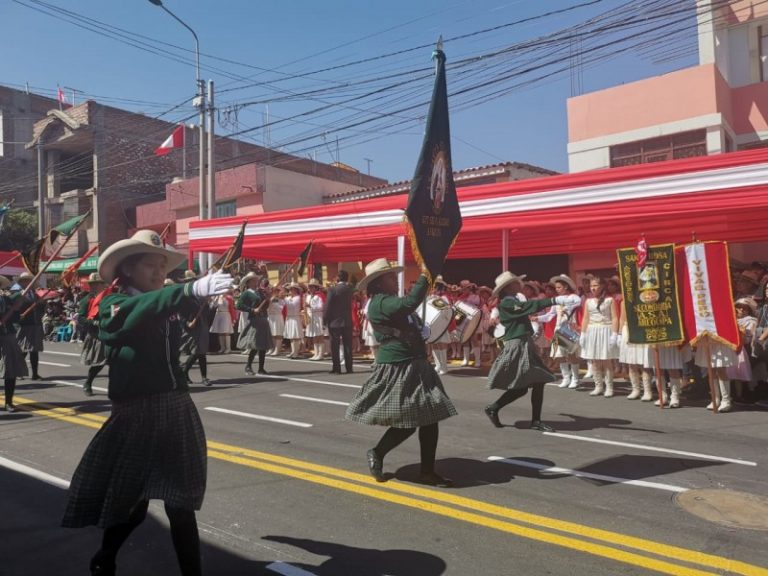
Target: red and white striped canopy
x: 722, y: 197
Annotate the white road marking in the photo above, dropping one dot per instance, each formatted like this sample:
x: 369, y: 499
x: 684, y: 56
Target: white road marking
x: 288, y: 569
x: 580, y: 474
x: 259, y: 417
x: 33, y: 473
x: 652, y: 448
x: 292, y: 379
x: 61, y: 353
x: 55, y: 364
x: 76, y: 385
x: 308, y: 361
x: 310, y: 399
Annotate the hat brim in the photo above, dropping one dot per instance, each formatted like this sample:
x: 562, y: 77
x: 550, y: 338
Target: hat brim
x: 245, y: 279
x: 4, y: 282
x: 363, y: 284
x: 506, y: 283
x: 122, y: 249
x: 571, y: 284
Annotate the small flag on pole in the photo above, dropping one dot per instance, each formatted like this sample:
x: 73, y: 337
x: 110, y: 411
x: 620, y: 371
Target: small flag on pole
x: 3, y: 213
x: 175, y: 140
x: 69, y: 275
x: 642, y: 252
x: 304, y: 257
x: 234, y: 253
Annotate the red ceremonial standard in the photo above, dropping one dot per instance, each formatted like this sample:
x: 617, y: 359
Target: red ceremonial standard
x: 175, y: 140
x: 705, y: 292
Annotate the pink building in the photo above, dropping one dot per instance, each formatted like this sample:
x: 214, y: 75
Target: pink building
x: 718, y: 106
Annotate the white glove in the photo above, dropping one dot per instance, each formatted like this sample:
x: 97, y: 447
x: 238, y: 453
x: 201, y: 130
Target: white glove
x: 583, y: 339
x: 614, y: 339
x: 212, y: 285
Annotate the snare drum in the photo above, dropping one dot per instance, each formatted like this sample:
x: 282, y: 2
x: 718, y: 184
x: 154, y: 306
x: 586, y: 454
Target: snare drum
x: 467, y: 318
x: 439, y: 314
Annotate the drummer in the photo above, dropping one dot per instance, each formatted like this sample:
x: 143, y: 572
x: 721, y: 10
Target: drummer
x: 441, y: 344
x: 404, y: 392
x: 518, y: 367
x: 468, y: 295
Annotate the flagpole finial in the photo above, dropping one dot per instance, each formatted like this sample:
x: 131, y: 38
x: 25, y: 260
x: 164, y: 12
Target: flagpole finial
x: 439, y: 45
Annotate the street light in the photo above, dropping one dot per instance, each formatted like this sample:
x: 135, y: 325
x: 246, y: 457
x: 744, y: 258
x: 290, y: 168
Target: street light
x: 200, y: 104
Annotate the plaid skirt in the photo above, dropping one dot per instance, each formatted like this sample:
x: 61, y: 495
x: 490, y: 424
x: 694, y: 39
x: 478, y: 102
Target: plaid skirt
x: 93, y: 353
x: 151, y: 447
x: 518, y: 366
x: 12, y: 364
x: 30, y: 338
x: 404, y: 395
x: 256, y: 336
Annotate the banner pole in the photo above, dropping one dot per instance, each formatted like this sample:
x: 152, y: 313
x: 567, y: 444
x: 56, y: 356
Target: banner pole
x: 659, y: 374
x: 710, y: 375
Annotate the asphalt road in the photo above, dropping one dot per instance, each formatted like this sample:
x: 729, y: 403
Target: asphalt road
x: 288, y: 489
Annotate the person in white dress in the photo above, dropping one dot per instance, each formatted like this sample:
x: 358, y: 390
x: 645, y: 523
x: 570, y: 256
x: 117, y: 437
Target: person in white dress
x: 441, y: 345
x: 564, y: 313
x: 314, y: 305
x: 276, y: 321
x: 632, y: 356
x: 369, y: 338
x: 469, y: 295
x: 293, y: 331
x: 600, y: 336
x: 741, y: 374
x: 223, y: 321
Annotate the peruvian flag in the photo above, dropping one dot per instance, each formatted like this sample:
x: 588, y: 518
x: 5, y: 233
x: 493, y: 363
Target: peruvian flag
x: 705, y: 292
x: 175, y: 140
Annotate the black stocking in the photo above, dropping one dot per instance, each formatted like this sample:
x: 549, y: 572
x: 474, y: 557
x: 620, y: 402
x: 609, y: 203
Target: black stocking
x: 428, y: 440
x: 537, y: 399
x: 251, y: 356
x: 92, y: 373
x: 33, y: 361
x: 508, y: 397
x: 262, y: 357
x: 115, y: 536
x: 203, y: 361
x: 10, y: 388
x: 392, y: 438
x: 186, y: 540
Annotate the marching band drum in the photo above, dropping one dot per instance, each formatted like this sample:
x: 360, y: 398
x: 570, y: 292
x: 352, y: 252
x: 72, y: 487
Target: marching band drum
x: 467, y: 318
x: 438, y: 317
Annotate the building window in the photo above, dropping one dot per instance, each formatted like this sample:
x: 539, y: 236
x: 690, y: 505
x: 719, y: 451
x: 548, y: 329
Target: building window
x: 228, y: 208
x: 673, y: 147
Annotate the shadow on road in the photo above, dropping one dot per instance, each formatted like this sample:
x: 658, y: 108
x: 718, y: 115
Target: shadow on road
x: 365, y: 561
x: 467, y: 473
x: 577, y: 423
x: 635, y: 467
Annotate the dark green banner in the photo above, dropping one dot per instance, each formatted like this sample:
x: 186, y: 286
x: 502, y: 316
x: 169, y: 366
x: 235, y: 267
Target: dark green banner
x: 433, y: 208
x: 651, y: 303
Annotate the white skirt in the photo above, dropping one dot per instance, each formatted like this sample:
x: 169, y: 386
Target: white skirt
x: 633, y: 354
x: 293, y: 328
x: 597, y: 345
x: 276, y: 325
x: 222, y: 323
x: 315, y: 326
x: 670, y: 357
x: 722, y: 355
x: 369, y: 337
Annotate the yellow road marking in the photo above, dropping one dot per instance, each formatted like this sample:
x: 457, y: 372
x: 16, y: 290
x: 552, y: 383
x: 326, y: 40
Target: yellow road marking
x: 303, y: 470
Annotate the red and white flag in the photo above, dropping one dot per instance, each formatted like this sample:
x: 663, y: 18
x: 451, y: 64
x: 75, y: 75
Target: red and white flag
x: 705, y: 292
x: 61, y: 96
x: 642, y: 252
x: 175, y: 140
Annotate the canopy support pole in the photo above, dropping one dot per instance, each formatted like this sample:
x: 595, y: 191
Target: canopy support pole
x: 401, y: 262
x: 504, y: 249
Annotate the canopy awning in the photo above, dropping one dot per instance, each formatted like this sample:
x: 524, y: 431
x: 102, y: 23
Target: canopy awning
x: 721, y: 197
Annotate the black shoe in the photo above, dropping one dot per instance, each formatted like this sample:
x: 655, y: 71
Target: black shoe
x: 493, y: 416
x: 539, y: 425
x: 335, y: 372
x: 249, y: 371
x: 262, y: 371
x: 432, y: 479
x: 350, y: 371
x: 206, y: 382
x: 101, y: 566
x: 87, y: 390
x: 10, y: 408
x: 375, y: 465
x: 36, y: 377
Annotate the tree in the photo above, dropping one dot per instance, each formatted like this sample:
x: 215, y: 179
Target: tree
x: 19, y: 230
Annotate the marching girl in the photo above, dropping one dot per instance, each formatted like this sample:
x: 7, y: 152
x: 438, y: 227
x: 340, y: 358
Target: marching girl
x: 223, y: 321
x: 12, y: 363
x: 633, y: 356
x: 672, y: 359
x: 92, y: 354
x: 313, y: 304
x: 519, y: 367
x: 600, y: 336
x: 293, y: 329
x: 441, y: 345
x: 470, y: 296
x: 30, y: 332
x: 198, y: 336
x: 257, y: 337
x: 276, y: 320
x: 153, y: 444
x: 403, y: 393
x: 566, y: 311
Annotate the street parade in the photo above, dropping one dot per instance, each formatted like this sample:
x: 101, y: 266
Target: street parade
x: 254, y: 362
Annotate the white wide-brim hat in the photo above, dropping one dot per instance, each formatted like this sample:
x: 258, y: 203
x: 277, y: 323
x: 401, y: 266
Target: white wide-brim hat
x: 94, y: 278
x: 314, y: 282
x: 4, y: 282
x: 245, y: 279
x: 565, y: 280
x: 142, y: 242
x: 189, y: 275
x: 168, y: 282
x: 504, y: 279
x: 749, y: 302
x: 376, y: 269
x: 25, y: 277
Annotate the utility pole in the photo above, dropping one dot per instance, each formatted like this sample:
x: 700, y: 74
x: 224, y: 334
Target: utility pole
x: 202, y: 260
x: 369, y: 161
x: 211, y: 154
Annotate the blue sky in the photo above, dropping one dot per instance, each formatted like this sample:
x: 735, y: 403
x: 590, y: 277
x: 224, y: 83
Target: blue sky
x: 283, y: 45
